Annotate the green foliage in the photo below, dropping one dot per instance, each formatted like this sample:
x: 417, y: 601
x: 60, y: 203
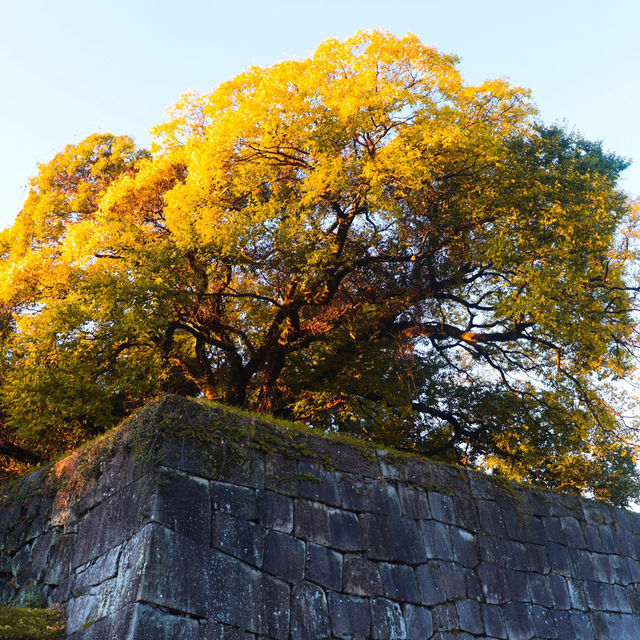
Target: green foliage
x: 357, y: 240
x: 20, y: 623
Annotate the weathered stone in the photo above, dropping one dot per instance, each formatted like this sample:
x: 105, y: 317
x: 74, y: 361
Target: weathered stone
x: 284, y: 556
x: 182, y: 503
x: 311, y: 522
x: 419, y: 622
x: 573, y: 532
x: 492, y: 579
x: 514, y: 555
x: 237, y: 501
x: 469, y: 617
x: 384, y: 498
x: 494, y: 625
x: 354, y: 493
x: 361, y: 577
x: 309, y: 613
x: 103, y: 568
x: 215, y: 631
x: 445, y: 618
x: 538, y: 558
x: 516, y: 584
x: 345, y: 531
x: 464, y: 547
x: 517, y: 621
x: 559, y: 591
x: 324, y: 566
x: 275, y: 511
x: 399, y: 583
x: 239, y: 538
x: 582, y: 564
x: 437, y: 540
x: 490, y: 517
x: 321, y: 485
x: 413, y: 502
x: 559, y: 559
x: 350, y: 617
x: 387, y: 622
x: 281, y: 474
x: 441, y: 507
x: 430, y: 584
x: 454, y: 580
x: 543, y: 622
x: 150, y: 622
x: 539, y: 589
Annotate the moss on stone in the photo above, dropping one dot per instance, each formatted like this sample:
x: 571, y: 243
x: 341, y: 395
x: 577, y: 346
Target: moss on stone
x: 20, y: 623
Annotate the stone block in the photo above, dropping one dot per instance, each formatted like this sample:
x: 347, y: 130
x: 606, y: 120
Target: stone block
x: 413, y: 502
x: 284, y: 556
x: 399, y: 583
x: 321, y: 485
x: 445, y: 619
x: 559, y: 559
x: 387, y: 622
x: 361, y: 577
x: 490, y: 516
x: 517, y: 621
x: 309, y: 612
x: 183, y: 503
x: 418, y: 621
x: 441, y: 506
x: 492, y: 579
x: 237, y: 501
x: 543, y: 622
x: 430, y: 584
x: 469, y: 617
x: 437, y: 540
x: 466, y: 512
x: 559, y: 591
x: 454, y: 580
x: 582, y: 564
x: 540, y: 591
x: 516, y: 585
x: 350, y: 617
x: 216, y: 631
x: 275, y: 511
x: 383, y: 498
x: 345, y: 531
x: 573, y: 532
x: 311, y: 522
x: 464, y: 547
x: 149, y: 622
x: 324, y: 566
x: 281, y: 474
x: 354, y: 492
x: 538, y: 558
x: 494, y: 625
x: 239, y: 538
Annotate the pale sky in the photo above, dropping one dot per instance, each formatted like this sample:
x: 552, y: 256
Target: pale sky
x: 71, y: 68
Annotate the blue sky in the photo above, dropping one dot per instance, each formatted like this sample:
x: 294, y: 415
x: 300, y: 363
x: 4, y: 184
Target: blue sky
x: 70, y: 68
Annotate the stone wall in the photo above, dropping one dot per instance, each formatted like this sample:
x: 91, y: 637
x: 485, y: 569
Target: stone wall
x: 191, y: 523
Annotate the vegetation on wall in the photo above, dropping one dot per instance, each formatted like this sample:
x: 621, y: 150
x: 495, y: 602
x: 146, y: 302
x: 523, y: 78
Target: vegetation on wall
x: 359, y: 241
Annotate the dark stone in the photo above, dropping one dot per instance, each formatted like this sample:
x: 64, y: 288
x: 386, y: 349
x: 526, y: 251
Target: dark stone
x: 441, y: 507
x: 573, y: 532
x: 284, y: 556
x: 399, y: 582
x: 214, y: 631
x: 492, y: 579
x: 324, y: 566
x: 581, y: 625
x: 543, y: 622
x: 239, y: 538
x: 517, y: 621
x: 408, y: 543
x: 345, y: 531
x: 419, y: 622
x: 281, y: 474
x: 445, y: 618
x: 413, y: 502
x: 384, y: 498
x: 454, y: 580
x: 515, y: 584
x: 361, y: 577
x: 309, y: 612
x: 387, y: 622
x: 312, y: 521
x: 321, y: 485
x: 559, y: 591
x: 236, y: 501
x: 354, y: 493
x: 559, y: 559
x: 540, y: 592
x: 603, y: 569
x: 494, y: 625
x: 466, y: 512
x: 275, y: 511
x: 469, y: 617
x: 431, y: 584
x: 608, y: 543
x: 538, y: 558
x: 149, y: 622
x: 514, y: 555
x: 490, y: 516
x: 464, y: 547
x: 582, y: 564
x: 350, y: 617
x: 380, y: 544
x: 182, y: 503
x: 437, y: 541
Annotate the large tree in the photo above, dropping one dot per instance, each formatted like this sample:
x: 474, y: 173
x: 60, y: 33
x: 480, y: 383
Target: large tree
x: 360, y: 241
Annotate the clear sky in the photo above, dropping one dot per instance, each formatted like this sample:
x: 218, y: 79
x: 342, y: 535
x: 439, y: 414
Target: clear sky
x: 71, y: 68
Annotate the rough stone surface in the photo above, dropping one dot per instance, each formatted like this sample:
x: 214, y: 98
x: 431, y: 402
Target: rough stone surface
x: 318, y: 540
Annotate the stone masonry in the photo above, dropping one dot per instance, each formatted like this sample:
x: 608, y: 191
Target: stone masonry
x: 307, y: 540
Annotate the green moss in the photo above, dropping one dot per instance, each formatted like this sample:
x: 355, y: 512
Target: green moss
x: 19, y: 623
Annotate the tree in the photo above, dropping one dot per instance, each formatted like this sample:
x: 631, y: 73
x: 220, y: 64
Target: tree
x: 360, y: 241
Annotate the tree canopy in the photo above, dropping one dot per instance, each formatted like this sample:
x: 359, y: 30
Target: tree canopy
x: 358, y: 240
